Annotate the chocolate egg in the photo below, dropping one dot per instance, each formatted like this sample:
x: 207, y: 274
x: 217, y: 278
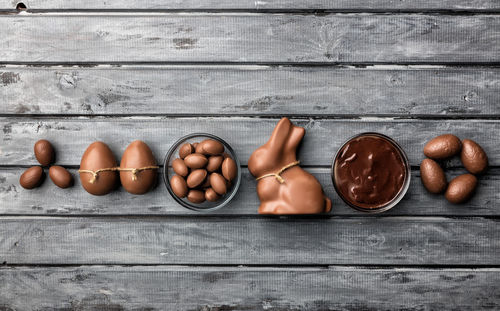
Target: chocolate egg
x: 214, y: 163
x: 198, y: 148
x: 432, y: 175
x: 212, y: 147
x: 139, y: 156
x: 196, y: 196
x: 196, y: 178
x: 179, y: 186
x: 461, y: 188
x: 229, y: 169
x: 44, y: 152
x: 185, y: 150
x: 31, y: 178
x: 98, y: 156
x: 442, y: 147
x: 211, y: 195
x: 195, y: 160
x: 218, y: 183
x: 60, y: 176
x: 179, y: 167
x: 473, y: 157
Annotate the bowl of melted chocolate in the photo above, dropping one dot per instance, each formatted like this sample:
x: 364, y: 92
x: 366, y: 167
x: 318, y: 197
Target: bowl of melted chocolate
x: 371, y: 172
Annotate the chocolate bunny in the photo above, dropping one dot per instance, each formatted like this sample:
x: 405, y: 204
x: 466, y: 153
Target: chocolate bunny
x: 284, y: 188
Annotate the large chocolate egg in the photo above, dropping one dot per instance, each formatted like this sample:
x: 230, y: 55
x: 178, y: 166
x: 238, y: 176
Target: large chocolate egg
x: 98, y: 156
x: 138, y: 156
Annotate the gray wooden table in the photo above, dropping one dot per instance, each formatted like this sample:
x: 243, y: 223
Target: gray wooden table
x: 78, y: 71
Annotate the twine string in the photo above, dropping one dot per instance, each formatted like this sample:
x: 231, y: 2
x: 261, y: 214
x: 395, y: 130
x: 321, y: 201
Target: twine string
x: 134, y: 171
x: 277, y: 175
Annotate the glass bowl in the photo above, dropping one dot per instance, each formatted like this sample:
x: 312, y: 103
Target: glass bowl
x: 402, y: 191
x: 168, y: 172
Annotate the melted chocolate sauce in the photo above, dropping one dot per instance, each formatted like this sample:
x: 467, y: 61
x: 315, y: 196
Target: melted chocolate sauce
x: 369, y: 171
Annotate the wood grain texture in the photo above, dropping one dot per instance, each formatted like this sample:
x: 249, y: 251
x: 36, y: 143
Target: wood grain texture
x: 250, y: 90
x: 252, y: 5
x: 256, y: 241
x: 172, y: 37
x: 50, y: 200
x: 71, y: 136
x: 207, y: 288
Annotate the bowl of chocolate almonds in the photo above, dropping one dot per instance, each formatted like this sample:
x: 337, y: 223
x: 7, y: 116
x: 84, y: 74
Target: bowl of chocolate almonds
x: 202, y: 172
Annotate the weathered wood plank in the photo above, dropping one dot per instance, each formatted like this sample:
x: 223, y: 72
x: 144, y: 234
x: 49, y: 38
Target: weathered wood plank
x: 250, y: 90
x: 207, y: 288
x: 71, y: 136
x: 252, y: 5
x: 173, y: 37
x: 258, y: 241
x: 48, y: 199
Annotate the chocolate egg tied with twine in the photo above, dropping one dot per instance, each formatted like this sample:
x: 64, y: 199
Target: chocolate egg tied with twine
x: 138, y: 168
x: 98, y: 169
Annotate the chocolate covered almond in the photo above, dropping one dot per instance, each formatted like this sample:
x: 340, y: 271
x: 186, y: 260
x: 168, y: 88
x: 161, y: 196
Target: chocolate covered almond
x: 179, y: 167
x: 432, y: 175
x: 473, y: 157
x: 442, y: 147
x: 196, y: 160
x: 44, y: 152
x: 31, y: 178
x: 461, y: 188
x: 60, y: 176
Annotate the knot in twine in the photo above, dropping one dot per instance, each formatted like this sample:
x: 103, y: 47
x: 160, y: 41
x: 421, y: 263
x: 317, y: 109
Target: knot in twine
x: 277, y: 175
x: 134, y: 171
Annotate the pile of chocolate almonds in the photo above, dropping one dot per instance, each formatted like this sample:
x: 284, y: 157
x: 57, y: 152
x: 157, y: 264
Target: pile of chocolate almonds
x: 442, y: 147
x: 203, y: 171
x: 34, y: 176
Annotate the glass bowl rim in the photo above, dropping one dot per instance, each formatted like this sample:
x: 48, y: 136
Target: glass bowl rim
x: 401, y: 193
x: 170, y: 153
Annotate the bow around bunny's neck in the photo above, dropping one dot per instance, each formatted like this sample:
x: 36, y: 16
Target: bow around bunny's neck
x: 277, y: 174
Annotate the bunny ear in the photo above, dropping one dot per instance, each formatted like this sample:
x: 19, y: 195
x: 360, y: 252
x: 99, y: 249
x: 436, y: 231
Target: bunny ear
x: 295, y: 137
x: 280, y: 134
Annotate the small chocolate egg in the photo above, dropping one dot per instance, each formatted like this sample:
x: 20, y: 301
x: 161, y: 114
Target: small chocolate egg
x: 473, y: 157
x: 196, y: 196
x: 60, y: 176
x: 179, y: 167
x: 185, y: 150
x: 98, y: 156
x: 218, y: 183
x: 214, y: 163
x: 198, y: 148
x: 179, y: 186
x: 461, y: 188
x: 195, y: 160
x: 229, y: 169
x: 138, y: 155
x: 212, y: 147
x: 442, y: 147
x: 211, y: 195
x: 44, y: 152
x: 196, y: 178
x: 31, y: 178
x: 433, y: 177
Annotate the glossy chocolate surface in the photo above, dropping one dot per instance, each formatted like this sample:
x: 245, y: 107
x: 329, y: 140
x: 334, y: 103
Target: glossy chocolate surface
x: 369, y: 171
x: 300, y: 192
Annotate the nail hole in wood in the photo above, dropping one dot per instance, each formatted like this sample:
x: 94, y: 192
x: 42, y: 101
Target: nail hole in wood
x: 21, y: 6
x: 4, y: 263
